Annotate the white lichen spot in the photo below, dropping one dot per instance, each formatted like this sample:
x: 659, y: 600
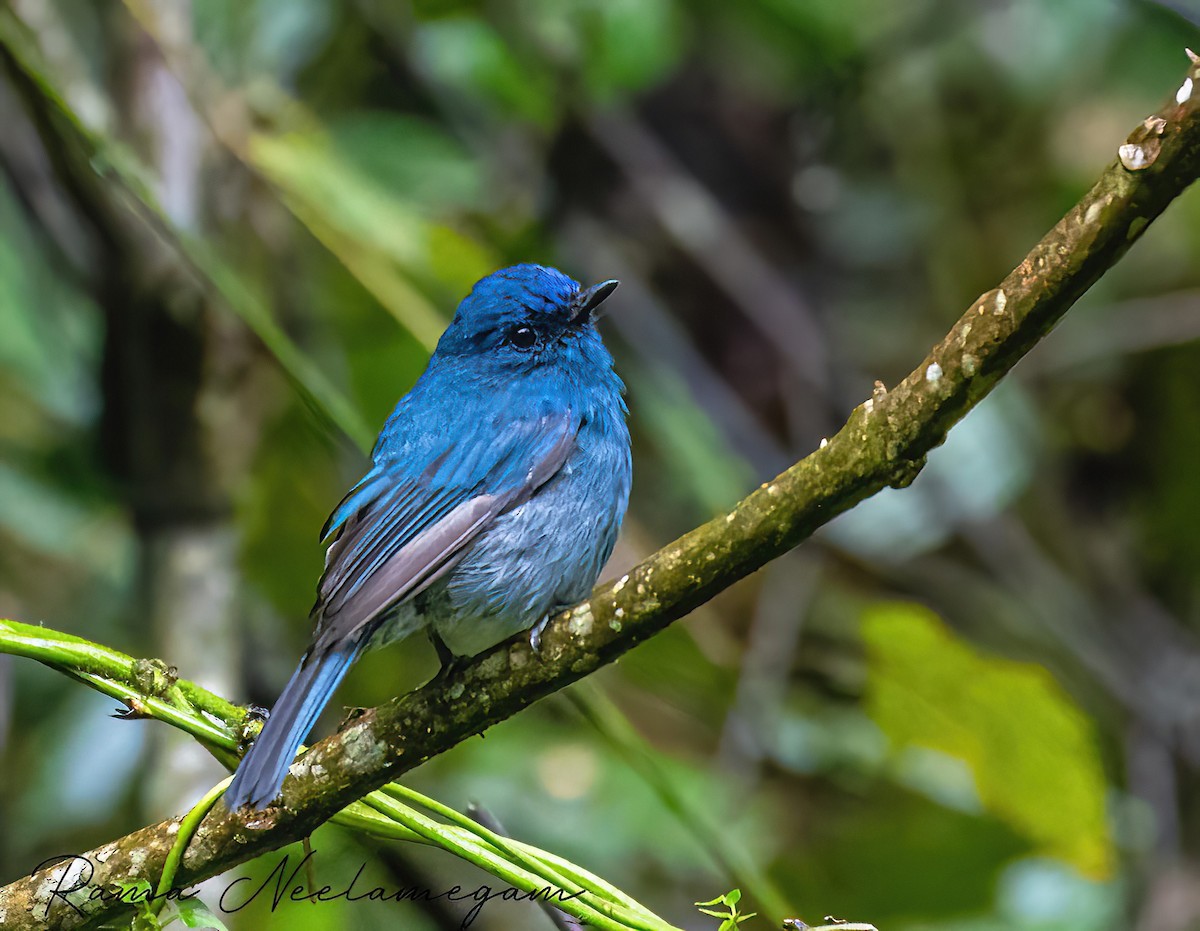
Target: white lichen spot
x: 620, y: 583
x: 72, y: 876
x: 966, y: 331
x: 869, y: 405
x: 772, y: 490
x: 455, y: 691
x: 641, y: 589
x: 1093, y: 213
x: 709, y: 557
x: 1133, y: 156
x: 933, y: 373
x: 969, y: 364
x: 730, y: 517
x: 493, y: 666
x: 620, y: 612
x: 824, y: 442
x: 1000, y: 301
x: 581, y: 622
x: 361, y: 752
x: 1184, y: 94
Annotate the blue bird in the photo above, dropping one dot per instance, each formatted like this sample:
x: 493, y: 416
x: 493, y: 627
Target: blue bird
x: 497, y: 491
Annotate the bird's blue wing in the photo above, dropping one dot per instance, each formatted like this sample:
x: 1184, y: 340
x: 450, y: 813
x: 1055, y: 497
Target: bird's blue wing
x: 407, y: 523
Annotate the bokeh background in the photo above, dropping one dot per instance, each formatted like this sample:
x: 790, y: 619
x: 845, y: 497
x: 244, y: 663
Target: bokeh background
x: 231, y: 231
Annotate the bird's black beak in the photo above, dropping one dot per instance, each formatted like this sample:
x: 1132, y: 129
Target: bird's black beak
x: 588, y: 301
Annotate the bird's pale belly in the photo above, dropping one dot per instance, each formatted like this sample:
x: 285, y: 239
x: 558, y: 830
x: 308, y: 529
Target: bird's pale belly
x: 542, y: 555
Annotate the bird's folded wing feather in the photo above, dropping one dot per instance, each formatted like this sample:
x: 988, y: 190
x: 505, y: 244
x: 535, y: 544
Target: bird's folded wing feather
x: 406, y: 523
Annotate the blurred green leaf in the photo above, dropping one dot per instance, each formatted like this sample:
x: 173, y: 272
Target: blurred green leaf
x: 51, y: 331
x: 281, y: 510
x: 636, y: 43
x: 470, y: 56
x: 1032, y: 751
x: 193, y: 913
x: 370, y: 187
x: 246, y: 37
x: 617, y: 45
x: 309, y: 167
x: 457, y: 261
x: 408, y: 158
x: 703, y: 467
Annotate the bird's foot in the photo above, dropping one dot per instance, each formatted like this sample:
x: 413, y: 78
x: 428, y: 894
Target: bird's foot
x: 451, y: 667
x: 450, y: 662
x: 535, y: 634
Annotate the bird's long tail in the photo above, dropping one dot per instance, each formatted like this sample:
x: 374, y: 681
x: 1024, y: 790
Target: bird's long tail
x: 261, y: 772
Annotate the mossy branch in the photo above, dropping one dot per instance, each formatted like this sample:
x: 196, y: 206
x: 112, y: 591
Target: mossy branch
x: 150, y: 689
x: 884, y: 443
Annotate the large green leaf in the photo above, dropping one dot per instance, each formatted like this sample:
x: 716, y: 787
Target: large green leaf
x: 1031, y: 750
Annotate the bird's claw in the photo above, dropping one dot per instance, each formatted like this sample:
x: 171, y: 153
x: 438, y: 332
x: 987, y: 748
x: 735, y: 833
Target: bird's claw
x: 449, y: 662
x: 535, y: 634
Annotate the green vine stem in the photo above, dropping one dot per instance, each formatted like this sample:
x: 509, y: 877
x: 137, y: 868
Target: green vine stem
x: 187, y: 830
x: 591, y: 909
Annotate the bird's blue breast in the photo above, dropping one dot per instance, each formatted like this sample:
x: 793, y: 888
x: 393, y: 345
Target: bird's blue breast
x: 545, y: 554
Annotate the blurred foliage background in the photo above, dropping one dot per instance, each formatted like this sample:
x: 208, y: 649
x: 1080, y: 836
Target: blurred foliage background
x: 231, y: 231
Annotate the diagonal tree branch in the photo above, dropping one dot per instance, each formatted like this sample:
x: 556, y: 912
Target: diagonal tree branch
x: 884, y: 443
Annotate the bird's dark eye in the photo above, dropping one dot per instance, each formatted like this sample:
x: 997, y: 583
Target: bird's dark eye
x: 522, y: 337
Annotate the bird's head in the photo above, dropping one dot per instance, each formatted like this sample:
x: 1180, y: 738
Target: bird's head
x: 526, y: 316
